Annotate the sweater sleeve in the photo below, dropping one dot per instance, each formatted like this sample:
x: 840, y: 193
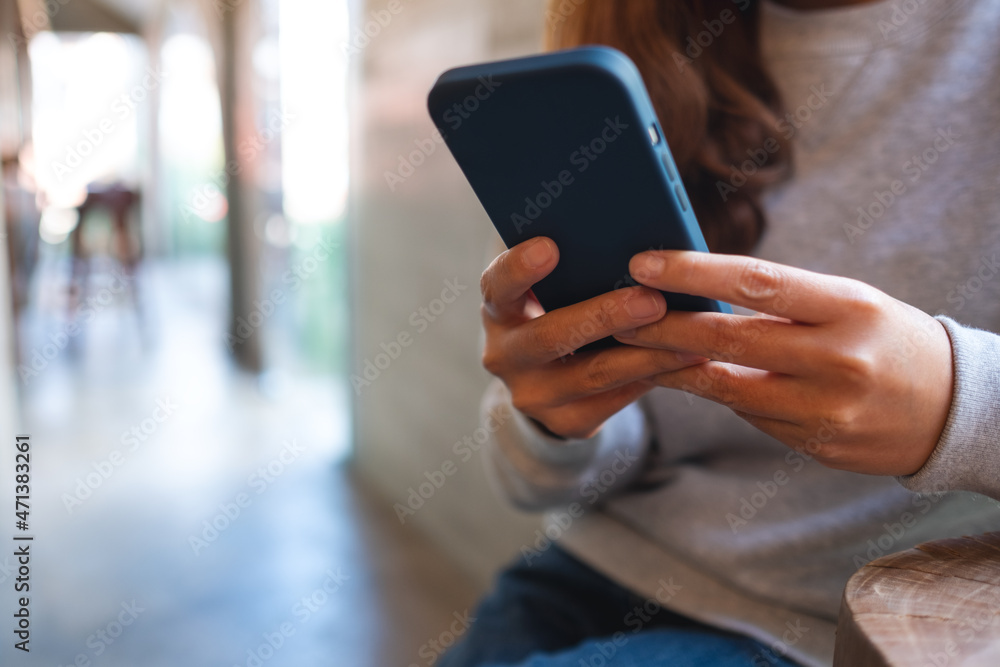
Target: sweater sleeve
x: 967, y: 457
x: 535, y: 471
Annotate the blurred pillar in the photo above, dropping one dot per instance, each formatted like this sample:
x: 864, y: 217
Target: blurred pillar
x: 8, y: 394
x: 15, y: 79
x: 153, y: 231
x: 14, y: 128
x: 237, y: 30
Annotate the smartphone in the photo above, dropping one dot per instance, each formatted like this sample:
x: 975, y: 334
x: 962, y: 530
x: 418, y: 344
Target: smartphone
x: 567, y: 145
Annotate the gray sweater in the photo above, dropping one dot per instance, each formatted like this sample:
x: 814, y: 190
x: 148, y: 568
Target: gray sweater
x: 894, y: 110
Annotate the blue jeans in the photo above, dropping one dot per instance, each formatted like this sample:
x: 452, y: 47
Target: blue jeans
x: 558, y: 612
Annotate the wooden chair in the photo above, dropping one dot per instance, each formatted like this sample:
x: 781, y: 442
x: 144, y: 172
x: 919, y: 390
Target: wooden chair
x: 936, y: 605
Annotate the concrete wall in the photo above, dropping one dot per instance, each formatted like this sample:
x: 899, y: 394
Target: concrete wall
x: 410, y: 238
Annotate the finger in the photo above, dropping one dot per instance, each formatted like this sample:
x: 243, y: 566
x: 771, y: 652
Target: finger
x: 747, y: 390
x: 817, y: 441
x: 506, y: 282
x: 756, y: 342
x: 562, y: 331
x: 753, y: 283
x: 593, y: 373
x: 583, y: 418
x: 782, y: 431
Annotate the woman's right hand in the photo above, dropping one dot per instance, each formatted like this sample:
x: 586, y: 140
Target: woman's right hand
x: 572, y: 395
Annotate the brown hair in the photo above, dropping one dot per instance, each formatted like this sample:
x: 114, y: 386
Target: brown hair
x: 715, y: 101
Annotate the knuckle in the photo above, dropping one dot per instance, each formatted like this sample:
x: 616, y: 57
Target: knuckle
x: 725, y: 334
x: 864, y: 301
x: 759, y: 281
x: 846, y: 415
x: 723, y: 387
x: 549, y: 339
x: 600, y: 375
x: 496, y: 274
x: 827, y: 436
x: 830, y: 454
x: 603, y: 316
x: 487, y: 284
x: 857, y: 367
x: 495, y: 357
x: 492, y: 361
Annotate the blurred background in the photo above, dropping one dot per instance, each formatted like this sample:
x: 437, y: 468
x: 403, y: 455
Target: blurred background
x: 239, y: 322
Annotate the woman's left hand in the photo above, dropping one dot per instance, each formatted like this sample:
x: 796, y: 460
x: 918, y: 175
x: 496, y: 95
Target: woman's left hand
x: 829, y: 366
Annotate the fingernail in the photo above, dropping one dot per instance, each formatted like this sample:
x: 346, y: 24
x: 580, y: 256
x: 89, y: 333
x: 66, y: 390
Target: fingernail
x: 642, y: 307
x: 626, y: 334
x: 652, y: 263
x: 537, y: 255
x: 688, y: 358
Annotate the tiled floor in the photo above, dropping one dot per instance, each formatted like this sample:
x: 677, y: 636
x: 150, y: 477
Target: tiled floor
x: 314, y: 569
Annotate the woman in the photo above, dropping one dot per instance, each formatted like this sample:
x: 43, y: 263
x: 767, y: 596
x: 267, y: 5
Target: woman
x: 852, y: 148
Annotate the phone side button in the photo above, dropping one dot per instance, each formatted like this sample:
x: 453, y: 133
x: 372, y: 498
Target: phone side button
x: 682, y: 197
x: 669, y: 164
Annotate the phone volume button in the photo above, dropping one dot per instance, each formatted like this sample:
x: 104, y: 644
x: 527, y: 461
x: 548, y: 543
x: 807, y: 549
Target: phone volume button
x: 682, y: 197
x: 669, y: 164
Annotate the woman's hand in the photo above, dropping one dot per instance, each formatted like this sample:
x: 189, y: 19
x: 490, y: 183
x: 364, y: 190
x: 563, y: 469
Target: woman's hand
x: 531, y: 351
x: 830, y: 366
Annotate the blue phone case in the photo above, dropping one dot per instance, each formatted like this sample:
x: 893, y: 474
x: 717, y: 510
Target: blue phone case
x: 567, y: 145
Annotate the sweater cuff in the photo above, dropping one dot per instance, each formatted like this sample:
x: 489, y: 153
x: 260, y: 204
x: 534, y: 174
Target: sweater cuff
x: 967, y: 457
x: 537, y: 471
